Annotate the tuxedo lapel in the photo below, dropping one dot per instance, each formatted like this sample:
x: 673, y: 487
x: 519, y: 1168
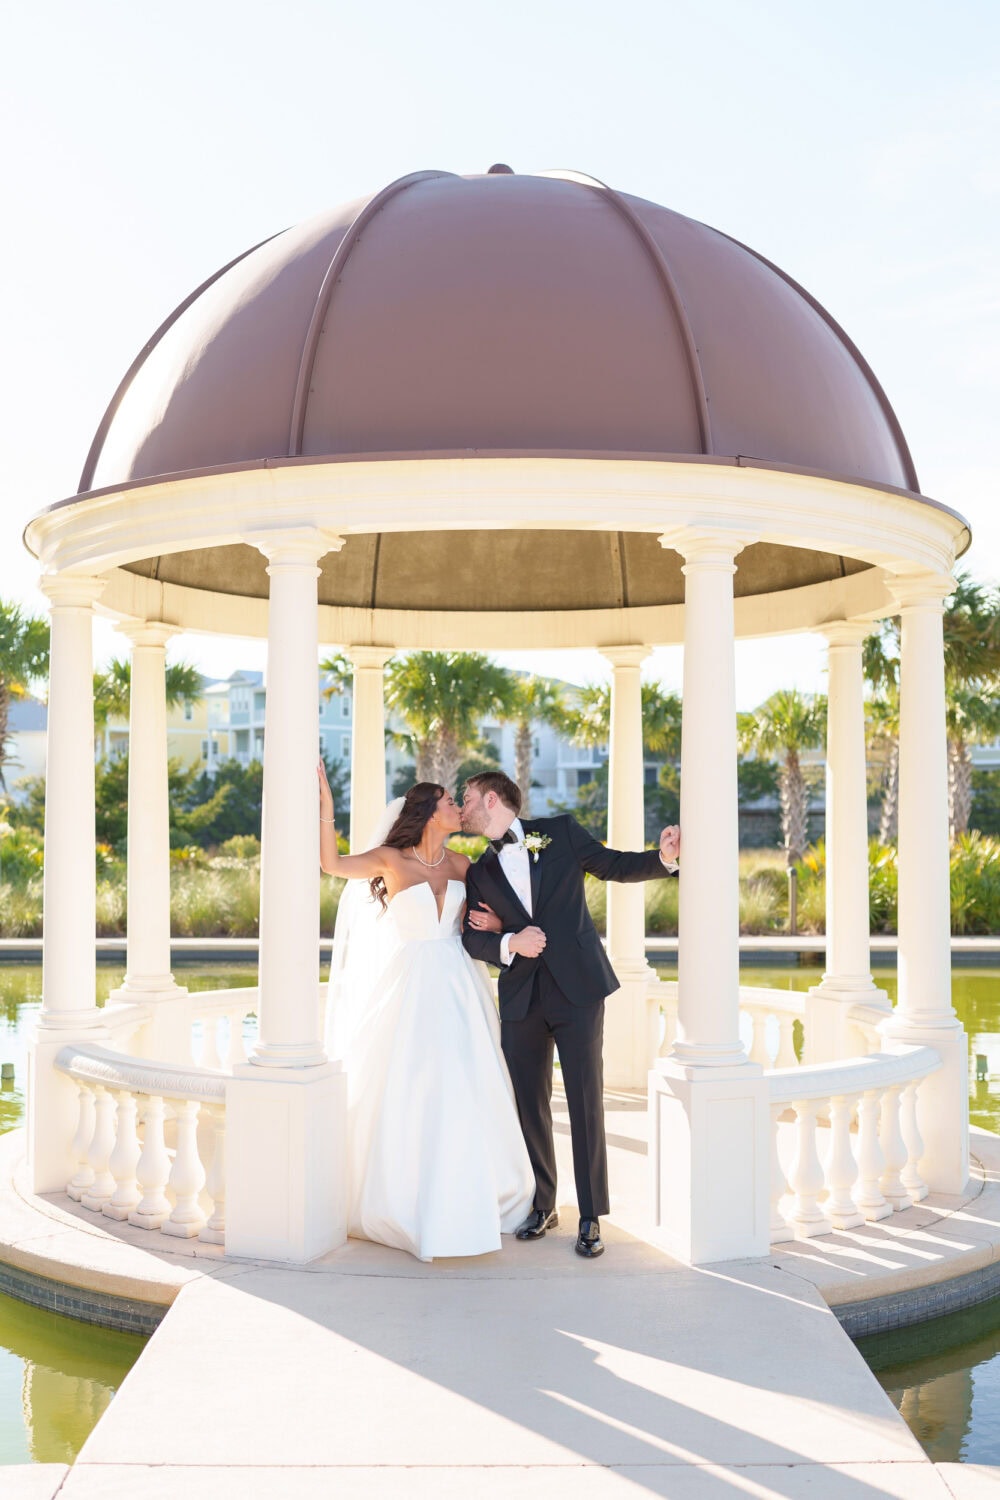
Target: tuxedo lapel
x: 490, y: 865
x: 535, y: 872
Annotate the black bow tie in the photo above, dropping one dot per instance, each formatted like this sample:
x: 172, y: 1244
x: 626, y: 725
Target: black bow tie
x: 508, y: 838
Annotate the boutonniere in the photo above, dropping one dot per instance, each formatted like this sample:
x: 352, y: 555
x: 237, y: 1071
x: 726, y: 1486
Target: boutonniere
x: 534, y: 843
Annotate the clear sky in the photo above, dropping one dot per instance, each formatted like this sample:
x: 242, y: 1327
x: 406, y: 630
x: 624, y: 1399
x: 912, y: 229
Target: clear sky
x: 856, y: 145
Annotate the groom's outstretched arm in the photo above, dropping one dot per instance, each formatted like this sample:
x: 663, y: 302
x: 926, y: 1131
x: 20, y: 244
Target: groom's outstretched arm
x: 482, y: 945
x: 614, y: 864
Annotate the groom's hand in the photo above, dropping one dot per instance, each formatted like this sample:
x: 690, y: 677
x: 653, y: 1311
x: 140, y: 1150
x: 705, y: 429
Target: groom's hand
x: 670, y: 844
x: 529, y: 942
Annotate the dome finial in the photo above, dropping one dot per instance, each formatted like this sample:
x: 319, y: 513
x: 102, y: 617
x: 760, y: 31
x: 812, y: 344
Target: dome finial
x: 500, y: 169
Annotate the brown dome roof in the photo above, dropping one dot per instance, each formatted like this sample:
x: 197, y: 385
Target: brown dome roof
x: 504, y: 314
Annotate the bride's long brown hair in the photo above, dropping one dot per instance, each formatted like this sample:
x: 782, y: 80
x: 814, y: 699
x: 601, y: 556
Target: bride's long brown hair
x: 418, y: 808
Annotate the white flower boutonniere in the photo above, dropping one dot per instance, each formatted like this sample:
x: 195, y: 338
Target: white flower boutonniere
x: 534, y: 843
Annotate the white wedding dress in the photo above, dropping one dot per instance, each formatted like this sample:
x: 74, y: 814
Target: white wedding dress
x: 438, y: 1165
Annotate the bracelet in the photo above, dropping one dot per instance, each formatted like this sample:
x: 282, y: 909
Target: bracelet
x: 326, y: 820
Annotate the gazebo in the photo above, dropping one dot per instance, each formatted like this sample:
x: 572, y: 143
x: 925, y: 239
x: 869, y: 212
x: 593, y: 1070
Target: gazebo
x: 500, y: 411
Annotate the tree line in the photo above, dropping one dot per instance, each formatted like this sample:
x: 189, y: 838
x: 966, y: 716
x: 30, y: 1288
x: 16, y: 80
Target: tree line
x: 439, y: 700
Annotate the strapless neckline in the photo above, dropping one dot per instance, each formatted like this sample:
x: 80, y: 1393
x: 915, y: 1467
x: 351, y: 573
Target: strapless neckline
x: 426, y: 885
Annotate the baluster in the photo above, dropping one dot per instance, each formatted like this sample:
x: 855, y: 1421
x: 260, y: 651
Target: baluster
x: 210, y: 1043
x: 759, y: 1051
x: 780, y: 1228
x: 871, y: 1162
x: 214, y: 1232
x: 84, y: 1174
x: 101, y: 1145
x: 153, y: 1169
x: 187, y: 1176
x: 841, y: 1168
x: 786, y: 1057
x: 912, y: 1180
x: 893, y: 1150
x: 807, y: 1174
x: 124, y: 1160
x: 236, y: 1052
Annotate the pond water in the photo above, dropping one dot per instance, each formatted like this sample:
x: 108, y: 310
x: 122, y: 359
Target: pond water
x: 57, y: 1375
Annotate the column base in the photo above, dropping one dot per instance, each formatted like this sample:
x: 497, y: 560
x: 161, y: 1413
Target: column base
x: 943, y: 1100
x: 273, y: 1055
x: 829, y: 1031
x: 183, y: 1231
x: 631, y: 1027
x: 110, y: 1211
x: 166, y: 1036
x: 710, y: 1160
x: 286, y: 1160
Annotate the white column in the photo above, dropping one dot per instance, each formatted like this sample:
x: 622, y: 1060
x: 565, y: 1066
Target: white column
x: 69, y: 1008
x: 709, y: 1114
x: 629, y: 1029
x: 924, y: 1013
x: 847, y: 979
x: 286, y: 1108
x: 368, y: 797
x: 148, y: 977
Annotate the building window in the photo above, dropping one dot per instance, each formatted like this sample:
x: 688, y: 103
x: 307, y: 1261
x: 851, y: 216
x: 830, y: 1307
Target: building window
x: 345, y: 747
x: 204, y: 749
x: 538, y: 747
x: 345, y: 707
x: 189, y: 711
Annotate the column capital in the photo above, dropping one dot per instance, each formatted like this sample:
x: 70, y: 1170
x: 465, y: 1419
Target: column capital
x: 706, y: 546
x: 147, y: 632
x: 71, y: 590
x: 846, y: 632
x: 625, y: 656
x: 294, y: 548
x: 369, y: 656
x: 920, y: 590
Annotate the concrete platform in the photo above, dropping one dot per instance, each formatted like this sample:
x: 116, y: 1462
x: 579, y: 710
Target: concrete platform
x: 370, y: 1375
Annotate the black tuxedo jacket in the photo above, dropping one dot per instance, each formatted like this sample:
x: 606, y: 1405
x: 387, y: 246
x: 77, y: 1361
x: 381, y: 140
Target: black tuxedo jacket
x: 574, y: 954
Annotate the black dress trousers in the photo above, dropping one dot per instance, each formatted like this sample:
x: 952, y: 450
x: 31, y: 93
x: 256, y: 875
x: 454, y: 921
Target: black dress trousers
x: 577, y: 1033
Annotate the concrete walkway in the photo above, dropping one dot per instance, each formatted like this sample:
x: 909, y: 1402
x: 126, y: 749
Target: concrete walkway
x: 528, y: 1372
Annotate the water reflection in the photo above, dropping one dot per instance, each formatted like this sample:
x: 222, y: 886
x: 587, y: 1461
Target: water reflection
x: 944, y: 1379
x: 57, y: 1376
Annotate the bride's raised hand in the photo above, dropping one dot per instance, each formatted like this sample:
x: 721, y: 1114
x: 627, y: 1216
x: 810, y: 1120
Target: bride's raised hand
x: 484, y: 919
x: 325, y: 794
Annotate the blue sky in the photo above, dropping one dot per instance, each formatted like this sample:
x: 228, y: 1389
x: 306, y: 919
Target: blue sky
x: 856, y: 146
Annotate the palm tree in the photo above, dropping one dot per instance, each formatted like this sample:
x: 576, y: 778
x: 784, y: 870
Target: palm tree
x: 113, y: 689
x: 589, y: 718
x: 24, y: 659
x: 536, y: 700
x: 883, y: 734
x: 441, y: 697
x: 972, y: 677
x: 972, y: 717
x: 783, y: 726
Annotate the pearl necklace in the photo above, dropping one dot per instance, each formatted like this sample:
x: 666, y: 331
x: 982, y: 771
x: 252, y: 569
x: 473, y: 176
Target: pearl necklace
x: 430, y: 864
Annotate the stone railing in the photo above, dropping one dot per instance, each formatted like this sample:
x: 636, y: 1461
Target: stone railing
x: 767, y: 1021
x: 125, y: 1169
x: 217, y: 1031
x: 873, y: 1099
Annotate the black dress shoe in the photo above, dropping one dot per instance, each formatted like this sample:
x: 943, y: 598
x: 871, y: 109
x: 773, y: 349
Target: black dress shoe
x: 588, y: 1241
x: 536, y: 1224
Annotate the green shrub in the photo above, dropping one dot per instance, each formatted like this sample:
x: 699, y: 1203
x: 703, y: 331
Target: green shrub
x: 241, y: 846
x: 21, y: 854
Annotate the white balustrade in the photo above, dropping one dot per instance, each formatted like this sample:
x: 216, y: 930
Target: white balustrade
x: 187, y: 1175
x: 150, y: 1185
x: 124, y: 1160
x: 212, y: 1008
x: 102, y: 1143
x: 848, y: 1183
x: 84, y: 1174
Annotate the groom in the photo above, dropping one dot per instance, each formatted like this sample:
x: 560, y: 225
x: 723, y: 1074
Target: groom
x: 554, y: 976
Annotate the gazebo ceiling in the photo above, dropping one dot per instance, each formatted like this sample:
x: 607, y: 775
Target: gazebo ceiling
x: 506, y: 316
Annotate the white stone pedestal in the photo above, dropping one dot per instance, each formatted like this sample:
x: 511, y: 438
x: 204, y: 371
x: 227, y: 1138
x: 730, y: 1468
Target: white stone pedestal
x: 286, y: 1161
x: 943, y: 1101
x: 829, y: 1031
x: 710, y: 1159
x: 54, y: 1105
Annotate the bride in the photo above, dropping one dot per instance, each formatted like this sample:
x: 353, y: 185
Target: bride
x: 437, y: 1162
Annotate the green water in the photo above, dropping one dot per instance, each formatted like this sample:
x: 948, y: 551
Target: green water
x: 58, y: 1375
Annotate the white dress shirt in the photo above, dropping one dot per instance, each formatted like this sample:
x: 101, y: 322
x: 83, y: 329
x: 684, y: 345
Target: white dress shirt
x: 514, y: 862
